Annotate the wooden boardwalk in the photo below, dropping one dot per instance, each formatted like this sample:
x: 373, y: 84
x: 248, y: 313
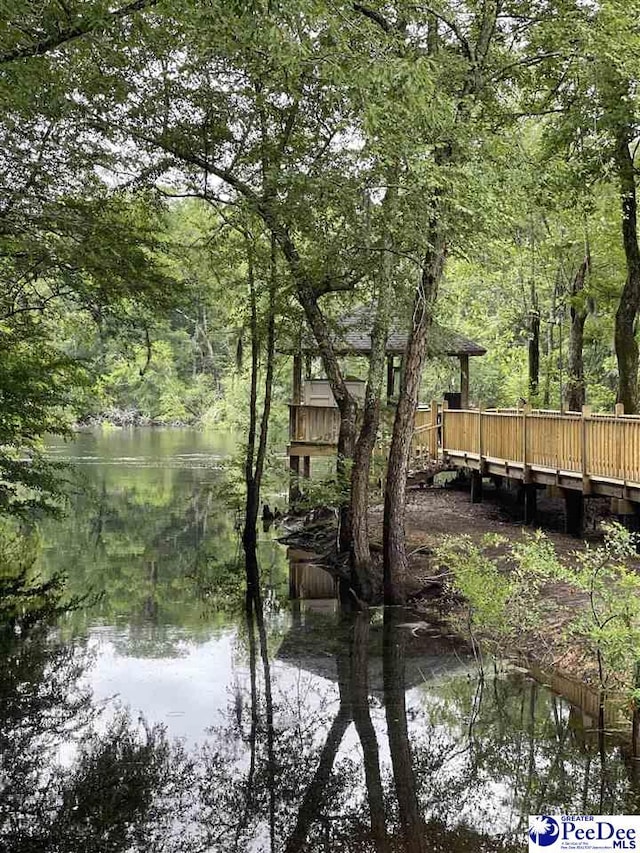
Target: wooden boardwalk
x: 587, y: 452
x: 593, y: 453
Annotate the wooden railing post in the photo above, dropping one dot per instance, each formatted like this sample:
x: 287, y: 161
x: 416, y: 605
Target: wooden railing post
x: 433, y: 433
x: 526, y: 470
x: 586, y: 417
x: 619, y: 444
x: 445, y: 406
x: 481, y: 462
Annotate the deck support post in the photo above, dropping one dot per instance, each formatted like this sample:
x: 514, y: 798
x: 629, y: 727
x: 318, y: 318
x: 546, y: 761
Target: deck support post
x: 306, y: 471
x: 574, y: 512
x: 530, y: 494
x: 476, y: 487
x: 294, y: 480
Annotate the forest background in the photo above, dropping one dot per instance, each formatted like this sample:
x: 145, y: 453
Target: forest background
x: 184, y: 185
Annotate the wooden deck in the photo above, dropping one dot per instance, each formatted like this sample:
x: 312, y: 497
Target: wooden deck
x: 593, y: 453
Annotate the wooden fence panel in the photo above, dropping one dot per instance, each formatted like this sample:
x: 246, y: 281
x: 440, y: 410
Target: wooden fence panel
x: 315, y: 424
x: 461, y: 430
x: 614, y: 447
x: 554, y: 441
x: 421, y: 443
x: 502, y: 436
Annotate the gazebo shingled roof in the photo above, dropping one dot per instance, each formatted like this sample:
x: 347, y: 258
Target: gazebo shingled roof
x: 352, y: 336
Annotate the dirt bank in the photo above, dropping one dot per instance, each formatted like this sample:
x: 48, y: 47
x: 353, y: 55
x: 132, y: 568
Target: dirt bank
x: 435, y: 513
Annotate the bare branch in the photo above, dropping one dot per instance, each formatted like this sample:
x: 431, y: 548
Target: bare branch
x: 455, y: 29
x: 374, y: 16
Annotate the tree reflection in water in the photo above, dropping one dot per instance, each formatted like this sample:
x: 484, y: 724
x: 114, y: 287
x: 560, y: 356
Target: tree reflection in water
x: 65, y: 787
x: 458, y: 771
x: 297, y: 763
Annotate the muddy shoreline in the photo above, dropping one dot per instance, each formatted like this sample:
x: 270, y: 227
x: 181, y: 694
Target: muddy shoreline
x: 441, y: 511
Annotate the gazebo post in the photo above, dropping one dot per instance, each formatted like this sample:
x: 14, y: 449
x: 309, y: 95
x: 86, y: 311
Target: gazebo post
x: 390, y: 378
x: 464, y: 381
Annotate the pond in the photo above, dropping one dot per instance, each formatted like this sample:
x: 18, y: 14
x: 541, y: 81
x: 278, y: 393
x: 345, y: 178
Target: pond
x: 156, y: 718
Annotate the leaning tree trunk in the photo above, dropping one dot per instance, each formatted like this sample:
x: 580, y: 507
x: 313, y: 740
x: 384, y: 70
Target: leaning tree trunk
x: 308, y: 296
x: 393, y: 534
x: 575, y: 388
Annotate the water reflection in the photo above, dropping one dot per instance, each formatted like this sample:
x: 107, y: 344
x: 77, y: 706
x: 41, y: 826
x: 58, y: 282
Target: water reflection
x: 160, y: 721
x: 65, y: 785
x: 352, y: 760
x: 151, y: 527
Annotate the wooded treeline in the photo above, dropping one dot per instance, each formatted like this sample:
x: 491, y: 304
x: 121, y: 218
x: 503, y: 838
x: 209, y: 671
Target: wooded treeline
x: 182, y: 180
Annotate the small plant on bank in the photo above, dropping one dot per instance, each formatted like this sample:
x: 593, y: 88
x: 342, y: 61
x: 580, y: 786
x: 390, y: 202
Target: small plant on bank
x: 485, y: 589
x: 506, y: 603
x: 610, y: 622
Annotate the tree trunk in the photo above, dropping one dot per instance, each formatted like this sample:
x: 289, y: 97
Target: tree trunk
x: 395, y: 708
x: 254, y: 460
x: 394, y: 553
x: 546, y: 400
x: 252, y: 489
x: 575, y: 388
x: 617, y: 103
x: 361, y: 469
x: 627, y: 313
x: 534, y: 352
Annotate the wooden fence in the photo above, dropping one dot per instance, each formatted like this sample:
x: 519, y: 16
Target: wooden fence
x: 314, y: 424
x: 583, y: 445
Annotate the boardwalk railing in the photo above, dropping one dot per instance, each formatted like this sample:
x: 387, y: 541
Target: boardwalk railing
x: 579, y: 446
x: 586, y: 445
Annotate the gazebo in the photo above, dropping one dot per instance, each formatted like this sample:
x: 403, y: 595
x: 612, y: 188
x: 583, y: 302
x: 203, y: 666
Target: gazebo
x: 352, y: 337
x: 314, y: 419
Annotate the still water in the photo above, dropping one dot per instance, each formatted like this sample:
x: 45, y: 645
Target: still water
x: 156, y: 719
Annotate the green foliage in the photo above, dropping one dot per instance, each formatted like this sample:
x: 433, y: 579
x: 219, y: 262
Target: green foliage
x: 25, y: 598
x: 508, y: 597
x: 611, y: 622
x: 477, y: 578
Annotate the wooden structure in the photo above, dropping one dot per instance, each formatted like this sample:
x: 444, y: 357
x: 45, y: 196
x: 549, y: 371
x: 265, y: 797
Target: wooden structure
x: 580, y: 453
x: 314, y: 420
